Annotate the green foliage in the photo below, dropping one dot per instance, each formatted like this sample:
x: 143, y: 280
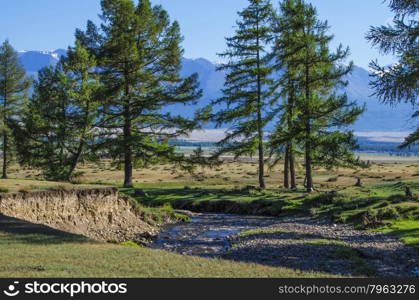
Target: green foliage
x: 14, y: 88
x: 399, y: 82
x: 312, y: 109
x: 139, y: 58
x: 246, y: 82
x: 58, y: 127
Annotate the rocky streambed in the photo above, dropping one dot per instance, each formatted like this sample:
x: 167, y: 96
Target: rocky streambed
x: 299, y: 243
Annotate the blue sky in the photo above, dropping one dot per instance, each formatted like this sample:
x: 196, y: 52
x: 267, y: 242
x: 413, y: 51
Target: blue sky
x: 50, y: 24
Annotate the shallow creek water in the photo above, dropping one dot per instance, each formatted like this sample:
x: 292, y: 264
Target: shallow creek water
x: 207, y: 234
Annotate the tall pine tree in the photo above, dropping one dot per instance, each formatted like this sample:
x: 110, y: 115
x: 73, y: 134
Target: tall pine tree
x: 317, y: 73
x: 14, y: 87
x: 247, y: 81
x: 398, y: 83
x: 139, y: 57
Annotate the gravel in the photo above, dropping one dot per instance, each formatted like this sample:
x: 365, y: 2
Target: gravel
x: 299, y: 243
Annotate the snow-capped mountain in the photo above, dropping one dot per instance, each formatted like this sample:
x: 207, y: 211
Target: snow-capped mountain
x: 378, y: 117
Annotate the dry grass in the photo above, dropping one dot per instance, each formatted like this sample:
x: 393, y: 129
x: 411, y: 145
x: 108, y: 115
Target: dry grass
x: 229, y: 174
x: 20, y: 185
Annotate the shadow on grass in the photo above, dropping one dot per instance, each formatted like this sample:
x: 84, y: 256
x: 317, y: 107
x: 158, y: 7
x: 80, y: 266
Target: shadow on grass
x: 157, y: 197
x: 411, y: 236
x: 26, y: 232
x: 331, y: 258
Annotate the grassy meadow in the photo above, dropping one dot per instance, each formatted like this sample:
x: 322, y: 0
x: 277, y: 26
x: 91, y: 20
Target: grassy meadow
x: 379, y: 205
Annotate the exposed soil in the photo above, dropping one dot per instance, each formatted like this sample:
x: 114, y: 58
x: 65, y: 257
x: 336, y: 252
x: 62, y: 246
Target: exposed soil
x: 100, y: 214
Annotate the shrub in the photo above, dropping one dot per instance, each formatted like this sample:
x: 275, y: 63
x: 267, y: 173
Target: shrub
x: 370, y: 219
x: 387, y: 213
x: 327, y: 198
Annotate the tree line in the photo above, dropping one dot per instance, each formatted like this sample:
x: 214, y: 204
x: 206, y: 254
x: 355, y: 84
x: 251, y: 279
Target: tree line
x: 106, y: 96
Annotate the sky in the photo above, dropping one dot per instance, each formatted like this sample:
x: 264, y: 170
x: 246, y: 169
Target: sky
x: 50, y: 24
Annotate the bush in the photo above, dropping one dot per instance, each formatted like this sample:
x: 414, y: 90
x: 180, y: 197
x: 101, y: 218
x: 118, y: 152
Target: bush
x: 327, y: 198
x: 370, y: 219
x: 387, y: 213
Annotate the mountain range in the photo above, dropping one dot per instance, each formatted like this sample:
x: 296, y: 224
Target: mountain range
x: 377, y: 118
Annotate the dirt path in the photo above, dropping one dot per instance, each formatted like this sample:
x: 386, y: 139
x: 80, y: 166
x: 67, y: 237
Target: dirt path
x: 299, y: 243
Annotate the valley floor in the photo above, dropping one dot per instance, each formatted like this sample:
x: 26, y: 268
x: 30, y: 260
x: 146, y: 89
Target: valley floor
x: 317, y: 239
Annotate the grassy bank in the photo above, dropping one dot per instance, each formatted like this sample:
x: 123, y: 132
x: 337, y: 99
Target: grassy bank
x: 381, y: 206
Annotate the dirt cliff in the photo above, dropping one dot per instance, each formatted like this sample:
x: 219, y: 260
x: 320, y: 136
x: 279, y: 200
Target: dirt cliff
x: 101, y: 214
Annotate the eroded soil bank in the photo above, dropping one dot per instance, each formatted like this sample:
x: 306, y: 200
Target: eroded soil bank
x: 100, y: 214
x: 299, y: 243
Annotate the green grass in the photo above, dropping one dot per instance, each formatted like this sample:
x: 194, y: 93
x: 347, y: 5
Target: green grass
x: 406, y: 230
x: 57, y: 255
x: 258, y: 231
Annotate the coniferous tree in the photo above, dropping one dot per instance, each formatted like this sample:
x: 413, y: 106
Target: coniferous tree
x: 139, y: 57
x: 14, y: 87
x: 80, y: 66
x: 42, y: 134
x: 398, y: 83
x: 246, y: 83
x: 58, y: 128
x: 314, y: 74
x: 284, y: 140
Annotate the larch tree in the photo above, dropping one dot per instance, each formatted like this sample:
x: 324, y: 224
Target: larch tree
x: 58, y: 127
x: 314, y: 75
x: 14, y: 88
x: 284, y: 139
x: 399, y: 82
x: 244, y: 102
x: 139, y: 59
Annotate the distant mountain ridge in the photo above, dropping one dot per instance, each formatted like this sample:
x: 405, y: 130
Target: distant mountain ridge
x: 378, y: 117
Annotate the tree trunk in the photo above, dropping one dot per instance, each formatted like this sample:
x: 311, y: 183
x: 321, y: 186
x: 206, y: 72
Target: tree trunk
x: 5, y: 149
x: 308, y: 161
x: 309, y: 178
x: 128, y: 151
x: 259, y: 120
x: 290, y: 144
x: 292, y: 169
x: 76, y: 159
x: 286, y: 168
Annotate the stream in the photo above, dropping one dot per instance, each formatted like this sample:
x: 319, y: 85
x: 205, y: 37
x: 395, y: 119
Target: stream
x: 294, y: 243
x: 207, y: 234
